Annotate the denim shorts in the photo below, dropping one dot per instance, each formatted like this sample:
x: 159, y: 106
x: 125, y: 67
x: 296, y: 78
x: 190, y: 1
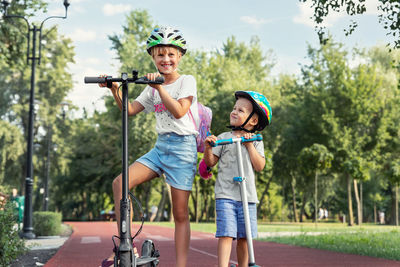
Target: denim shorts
x: 230, y: 219
x: 175, y: 156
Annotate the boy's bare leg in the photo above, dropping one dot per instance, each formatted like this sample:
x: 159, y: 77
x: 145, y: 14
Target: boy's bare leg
x: 224, y: 251
x: 180, y: 199
x: 242, y: 252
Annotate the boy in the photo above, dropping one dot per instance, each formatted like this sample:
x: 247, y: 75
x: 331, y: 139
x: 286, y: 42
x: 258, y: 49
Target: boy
x: 250, y: 113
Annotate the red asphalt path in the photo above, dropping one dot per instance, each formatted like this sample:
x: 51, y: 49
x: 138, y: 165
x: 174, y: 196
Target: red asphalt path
x: 91, y: 242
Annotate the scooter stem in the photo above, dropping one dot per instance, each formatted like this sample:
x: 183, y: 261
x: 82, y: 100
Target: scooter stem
x: 125, y: 222
x: 243, y: 193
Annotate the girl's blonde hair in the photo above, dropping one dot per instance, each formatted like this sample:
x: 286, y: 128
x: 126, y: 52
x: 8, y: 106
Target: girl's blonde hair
x: 163, y: 49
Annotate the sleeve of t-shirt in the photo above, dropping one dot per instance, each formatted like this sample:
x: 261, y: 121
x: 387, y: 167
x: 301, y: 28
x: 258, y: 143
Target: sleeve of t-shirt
x: 217, y: 151
x: 189, y: 87
x: 146, y: 99
x: 259, y: 145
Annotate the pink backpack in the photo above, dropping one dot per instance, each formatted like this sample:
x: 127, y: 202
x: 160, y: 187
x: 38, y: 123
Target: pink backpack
x: 203, y: 126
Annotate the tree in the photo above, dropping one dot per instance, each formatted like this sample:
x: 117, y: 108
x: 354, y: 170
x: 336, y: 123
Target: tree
x: 53, y: 83
x: 315, y: 160
x: 389, y: 18
x: 11, y: 148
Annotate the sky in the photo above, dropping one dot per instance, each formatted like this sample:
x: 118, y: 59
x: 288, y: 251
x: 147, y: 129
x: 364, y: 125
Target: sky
x: 285, y: 27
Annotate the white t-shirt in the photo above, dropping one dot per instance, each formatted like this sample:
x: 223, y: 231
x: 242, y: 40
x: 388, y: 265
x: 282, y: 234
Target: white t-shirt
x: 183, y: 87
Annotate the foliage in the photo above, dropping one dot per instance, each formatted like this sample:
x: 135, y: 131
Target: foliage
x: 345, y: 101
x: 389, y: 17
x: 47, y: 223
x: 314, y: 159
x: 11, y: 144
x: 11, y: 246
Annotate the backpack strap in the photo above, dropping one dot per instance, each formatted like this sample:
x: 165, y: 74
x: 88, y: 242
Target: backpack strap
x: 191, y: 116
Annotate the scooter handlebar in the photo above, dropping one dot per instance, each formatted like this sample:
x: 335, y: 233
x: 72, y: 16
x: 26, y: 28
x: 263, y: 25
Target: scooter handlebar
x: 95, y: 79
x: 141, y: 80
x: 144, y: 80
x: 257, y: 137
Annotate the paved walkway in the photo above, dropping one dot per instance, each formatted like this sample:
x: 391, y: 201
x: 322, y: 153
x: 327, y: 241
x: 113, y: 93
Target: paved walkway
x: 91, y: 242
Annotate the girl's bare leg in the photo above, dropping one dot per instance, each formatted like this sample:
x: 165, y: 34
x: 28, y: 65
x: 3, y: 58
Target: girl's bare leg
x: 180, y: 199
x: 224, y: 251
x: 242, y: 252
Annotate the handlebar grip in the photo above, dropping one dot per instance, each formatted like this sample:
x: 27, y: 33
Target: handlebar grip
x: 95, y: 79
x: 144, y: 80
x: 257, y: 137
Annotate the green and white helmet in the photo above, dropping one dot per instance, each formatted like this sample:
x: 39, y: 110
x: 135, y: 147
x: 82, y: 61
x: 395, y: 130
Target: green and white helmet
x: 166, y: 36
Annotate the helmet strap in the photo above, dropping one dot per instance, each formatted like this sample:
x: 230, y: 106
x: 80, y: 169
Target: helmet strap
x: 241, y: 127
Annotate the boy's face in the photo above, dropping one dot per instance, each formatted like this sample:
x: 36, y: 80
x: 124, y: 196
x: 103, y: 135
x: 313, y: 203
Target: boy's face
x: 166, y: 59
x: 241, y: 111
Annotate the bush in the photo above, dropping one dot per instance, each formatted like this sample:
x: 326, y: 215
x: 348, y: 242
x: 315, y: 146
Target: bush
x: 11, y: 245
x: 46, y: 223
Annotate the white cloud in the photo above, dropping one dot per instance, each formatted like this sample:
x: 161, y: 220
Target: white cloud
x: 372, y: 7
x: 80, y: 35
x: 252, y: 20
x: 111, y: 9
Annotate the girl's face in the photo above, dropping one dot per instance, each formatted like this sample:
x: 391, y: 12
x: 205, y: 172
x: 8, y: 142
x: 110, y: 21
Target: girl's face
x: 166, y: 59
x: 241, y: 112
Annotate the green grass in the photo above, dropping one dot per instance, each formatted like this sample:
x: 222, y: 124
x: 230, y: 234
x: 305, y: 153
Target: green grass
x: 202, y: 227
x: 320, y: 227
x: 380, y: 241
x: 379, y: 244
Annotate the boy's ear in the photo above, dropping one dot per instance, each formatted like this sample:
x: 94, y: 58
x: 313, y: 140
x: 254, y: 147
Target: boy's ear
x: 254, y: 120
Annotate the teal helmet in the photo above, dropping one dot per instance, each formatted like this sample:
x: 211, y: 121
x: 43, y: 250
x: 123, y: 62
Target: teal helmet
x: 166, y: 36
x: 261, y: 106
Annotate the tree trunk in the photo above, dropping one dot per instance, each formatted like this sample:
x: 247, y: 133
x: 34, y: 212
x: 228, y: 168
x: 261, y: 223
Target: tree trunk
x: 196, y: 204
x: 361, y: 202
x: 262, y: 198
x: 359, y: 218
x: 349, y: 201
x: 397, y: 203
x: 147, y: 194
x: 394, y: 220
x: 293, y: 183
x: 316, y: 197
x: 302, y: 209
x: 161, y: 204
x: 374, y: 213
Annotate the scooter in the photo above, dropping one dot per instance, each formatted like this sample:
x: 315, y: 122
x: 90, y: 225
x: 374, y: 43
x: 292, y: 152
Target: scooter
x: 242, y: 183
x: 124, y: 255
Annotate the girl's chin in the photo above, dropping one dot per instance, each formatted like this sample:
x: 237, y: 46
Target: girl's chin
x: 166, y: 71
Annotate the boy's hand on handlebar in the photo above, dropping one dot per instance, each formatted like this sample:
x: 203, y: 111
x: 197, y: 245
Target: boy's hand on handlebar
x: 247, y: 136
x: 209, y: 140
x: 152, y: 77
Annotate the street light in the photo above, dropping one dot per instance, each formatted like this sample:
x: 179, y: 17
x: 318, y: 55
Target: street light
x: 27, y: 231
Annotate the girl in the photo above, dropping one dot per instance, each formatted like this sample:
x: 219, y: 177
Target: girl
x: 175, y: 152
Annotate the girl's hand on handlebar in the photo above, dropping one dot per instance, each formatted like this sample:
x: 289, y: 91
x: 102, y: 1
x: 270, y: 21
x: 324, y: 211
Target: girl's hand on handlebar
x: 152, y: 77
x: 209, y: 140
x: 114, y: 85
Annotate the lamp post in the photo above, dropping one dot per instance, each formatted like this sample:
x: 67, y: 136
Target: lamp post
x: 27, y: 231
